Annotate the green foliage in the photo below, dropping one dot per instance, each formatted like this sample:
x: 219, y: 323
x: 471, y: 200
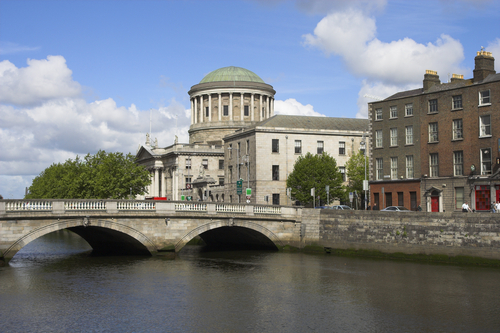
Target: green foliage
x: 100, y: 176
x: 355, y: 169
x: 315, y: 171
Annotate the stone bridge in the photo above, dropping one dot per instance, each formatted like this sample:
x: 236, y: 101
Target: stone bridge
x: 113, y: 227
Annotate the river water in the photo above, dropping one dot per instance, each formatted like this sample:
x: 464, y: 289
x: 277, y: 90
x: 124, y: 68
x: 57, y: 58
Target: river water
x: 52, y: 285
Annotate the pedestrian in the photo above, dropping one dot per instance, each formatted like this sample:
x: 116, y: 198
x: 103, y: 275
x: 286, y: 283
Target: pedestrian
x: 498, y: 207
x: 375, y: 207
x: 369, y: 207
x: 465, y: 207
x: 493, y: 207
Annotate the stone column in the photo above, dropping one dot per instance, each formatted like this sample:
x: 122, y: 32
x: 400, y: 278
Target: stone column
x: 242, y: 114
x: 163, y: 183
x: 192, y: 115
x: 157, y: 183
x: 260, y: 107
x: 152, y: 185
x: 268, y: 106
x: 252, y: 106
x: 220, y: 107
x: 272, y: 107
x: 231, y: 106
x: 195, y: 109
x: 209, y: 107
x: 202, y: 111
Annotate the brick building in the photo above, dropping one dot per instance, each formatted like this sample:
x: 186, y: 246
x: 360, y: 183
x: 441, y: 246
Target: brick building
x: 438, y: 146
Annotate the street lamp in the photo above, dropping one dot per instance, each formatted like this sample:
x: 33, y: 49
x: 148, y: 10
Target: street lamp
x: 364, y: 150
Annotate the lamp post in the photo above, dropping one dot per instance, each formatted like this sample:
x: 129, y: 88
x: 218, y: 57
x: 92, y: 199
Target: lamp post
x: 363, y: 148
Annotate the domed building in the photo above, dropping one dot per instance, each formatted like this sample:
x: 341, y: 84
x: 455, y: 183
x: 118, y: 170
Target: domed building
x: 235, y: 136
x: 226, y: 100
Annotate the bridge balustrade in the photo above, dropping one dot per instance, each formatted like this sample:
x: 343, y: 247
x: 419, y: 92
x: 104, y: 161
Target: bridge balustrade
x: 28, y: 205
x: 266, y: 210
x: 85, y: 205
x: 224, y: 208
x: 136, y: 205
x: 192, y: 207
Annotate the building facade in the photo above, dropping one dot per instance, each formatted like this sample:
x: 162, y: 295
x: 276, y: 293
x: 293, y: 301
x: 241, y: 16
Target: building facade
x: 437, y: 146
x: 234, y: 135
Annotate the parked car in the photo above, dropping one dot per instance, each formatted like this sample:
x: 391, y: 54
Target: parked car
x: 341, y: 207
x: 323, y: 207
x: 395, y: 209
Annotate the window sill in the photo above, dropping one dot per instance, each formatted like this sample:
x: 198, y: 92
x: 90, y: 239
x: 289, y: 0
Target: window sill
x: 379, y: 119
x: 392, y: 118
x: 457, y: 109
x: 485, y: 136
x: 408, y: 116
x: 432, y: 142
x: 434, y: 112
x: 459, y: 139
x: 409, y: 144
x: 485, y: 104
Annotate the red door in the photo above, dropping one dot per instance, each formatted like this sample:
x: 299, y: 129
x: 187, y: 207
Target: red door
x: 434, y: 204
x: 482, y: 197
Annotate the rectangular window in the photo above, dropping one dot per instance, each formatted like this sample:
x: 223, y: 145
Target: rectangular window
x: 320, y: 147
x: 434, y: 165
x: 433, y: 106
x: 205, y: 163
x: 187, y: 182
x: 409, y: 135
x: 388, y: 199
x: 298, y: 146
x: 221, y: 181
x: 221, y: 164
x: 459, y: 197
x: 276, y: 172
x: 378, y: 139
x: 484, y: 126
x: 188, y: 163
x: 245, y: 111
x: 458, y: 163
x: 433, y: 132
x: 394, y: 168
x: 341, y: 148
x: 230, y: 149
x: 239, y: 149
x: 342, y: 173
x: 226, y: 110
x: 248, y: 147
x: 401, y: 199
x: 458, y: 133
x: 484, y: 97
x: 380, y: 168
x: 276, y: 146
x: 394, y: 111
x: 485, y: 161
x: 409, y: 166
x: 409, y: 109
x: 378, y: 114
x: 394, y: 137
x: 276, y: 198
x: 207, y: 111
x: 457, y: 102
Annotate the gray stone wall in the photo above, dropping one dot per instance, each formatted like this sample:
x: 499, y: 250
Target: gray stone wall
x: 471, y: 234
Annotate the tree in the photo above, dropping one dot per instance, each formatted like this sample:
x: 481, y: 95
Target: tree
x: 100, y: 176
x: 315, y: 171
x: 356, y: 173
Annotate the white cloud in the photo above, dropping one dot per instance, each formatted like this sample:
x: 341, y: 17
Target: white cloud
x: 60, y: 125
x: 292, y: 107
x: 494, y: 48
x: 10, y: 48
x: 42, y: 80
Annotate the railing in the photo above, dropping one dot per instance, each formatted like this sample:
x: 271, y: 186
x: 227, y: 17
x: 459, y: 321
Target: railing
x: 60, y: 206
x: 224, y: 208
x: 192, y: 207
x: 28, y: 205
x: 136, y: 205
x: 85, y: 205
x: 267, y: 210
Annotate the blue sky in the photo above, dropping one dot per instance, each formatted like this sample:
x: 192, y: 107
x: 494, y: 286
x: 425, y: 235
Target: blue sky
x: 79, y: 76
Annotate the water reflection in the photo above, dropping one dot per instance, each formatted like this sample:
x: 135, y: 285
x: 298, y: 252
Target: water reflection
x: 52, y: 285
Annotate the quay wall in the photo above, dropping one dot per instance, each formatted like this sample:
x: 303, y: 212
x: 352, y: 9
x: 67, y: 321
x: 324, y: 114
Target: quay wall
x: 452, y: 234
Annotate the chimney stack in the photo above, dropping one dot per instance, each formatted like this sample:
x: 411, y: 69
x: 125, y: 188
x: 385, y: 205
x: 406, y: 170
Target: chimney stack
x: 430, y: 79
x: 456, y: 78
x: 484, y: 65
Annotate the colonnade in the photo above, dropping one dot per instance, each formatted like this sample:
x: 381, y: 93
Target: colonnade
x: 198, y: 115
x: 165, y: 181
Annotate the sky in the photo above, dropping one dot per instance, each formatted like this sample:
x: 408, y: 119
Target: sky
x: 77, y: 77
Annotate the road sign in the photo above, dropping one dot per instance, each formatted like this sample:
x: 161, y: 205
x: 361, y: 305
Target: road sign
x: 248, y: 192
x: 239, y: 186
x: 188, y: 186
x: 327, y: 189
x: 351, y: 196
x: 182, y: 197
x: 248, y: 197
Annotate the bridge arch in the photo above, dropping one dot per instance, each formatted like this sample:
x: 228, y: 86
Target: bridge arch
x: 231, y: 223
x: 93, y: 233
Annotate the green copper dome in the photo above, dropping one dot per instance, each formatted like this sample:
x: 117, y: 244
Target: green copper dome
x: 231, y: 73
